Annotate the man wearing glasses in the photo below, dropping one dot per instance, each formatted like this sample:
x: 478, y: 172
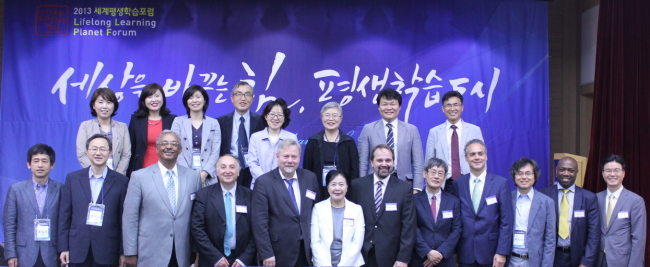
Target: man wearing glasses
x: 240, y: 123
x: 157, y: 209
x: 444, y: 140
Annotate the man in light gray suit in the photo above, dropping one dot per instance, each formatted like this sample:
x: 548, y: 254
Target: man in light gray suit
x: 402, y: 137
x: 35, y: 198
x: 535, y: 224
x: 451, y: 136
x: 623, y: 219
x: 157, y: 209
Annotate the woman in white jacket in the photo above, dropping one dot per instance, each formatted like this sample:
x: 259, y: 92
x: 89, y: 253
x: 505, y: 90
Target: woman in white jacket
x: 337, y: 227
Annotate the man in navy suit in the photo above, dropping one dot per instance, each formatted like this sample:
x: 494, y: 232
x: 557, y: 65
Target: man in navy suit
x: 578, y: 226
x: 282, y: 206
x: 90, y: 212
x: 486, y: 208
x: 221, y: 222
x: 438, y: 219
x: 240, y: 122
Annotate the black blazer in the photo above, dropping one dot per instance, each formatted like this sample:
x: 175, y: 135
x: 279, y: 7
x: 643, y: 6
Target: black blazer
x: 138, y: 133
x: 443, y: 235
x: 74, y: 235
x: 391, y: 233
x: 347, y: 158
x: 277, y: 226
x: 225, y: 123
x: 209, y: 226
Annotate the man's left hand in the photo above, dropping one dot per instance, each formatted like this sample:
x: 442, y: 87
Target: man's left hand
x: 499, y: 260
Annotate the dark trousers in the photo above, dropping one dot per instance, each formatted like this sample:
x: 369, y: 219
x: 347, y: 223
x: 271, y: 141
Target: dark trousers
x: 371, y: 260
x: 562, y: 259
x: 39, y: 260
x: 90, y: 261
x: 302, y: 256
x: 173, y: 262
x: 475, y: 264
x: 603, y: 263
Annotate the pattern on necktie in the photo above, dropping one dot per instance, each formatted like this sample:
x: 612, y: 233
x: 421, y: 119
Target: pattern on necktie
x: 455, y: 157
x: 378, y: 197
x: 389, y: 137
x: 171, y: 190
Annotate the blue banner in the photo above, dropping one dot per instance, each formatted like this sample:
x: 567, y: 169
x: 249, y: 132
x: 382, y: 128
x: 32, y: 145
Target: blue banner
x: 308, y: 52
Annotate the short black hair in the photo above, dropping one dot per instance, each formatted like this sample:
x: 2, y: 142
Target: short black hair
x: 332, y: 174
x: 41, y: 149
x: 285, y: 111
x: 148, y: 90
x: 108, y: 95
x: 189, y: 92
x: 95, y: 136
x: 522, y: 162
x: 612, y: 158
x: 389, y: 94
x: 435, y: 162
x: 451, y: 94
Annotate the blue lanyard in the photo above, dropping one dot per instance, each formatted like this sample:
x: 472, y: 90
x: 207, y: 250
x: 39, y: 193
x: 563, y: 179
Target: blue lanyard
x: 91, y: 192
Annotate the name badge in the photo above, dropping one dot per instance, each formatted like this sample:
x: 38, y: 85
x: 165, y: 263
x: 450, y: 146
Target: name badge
x: 327, y: 169
x: 519, y: 239
x: 447, y: 214
x: 491, y: 200
x: 241, y: 209
x: 42, y: 230
x: 95, y: 214
x: 109, y: 163
x: 624, y: 214
x: 348, y: 222
x: 192, y: 196
x: 196, y: 159
x: 310, y: 194
x: 579, y: 213
x: 391, y: 206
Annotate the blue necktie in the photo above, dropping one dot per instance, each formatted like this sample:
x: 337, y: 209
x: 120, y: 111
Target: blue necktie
x: 242, y: 142
x: 293, y: 196
x: 228, y: 235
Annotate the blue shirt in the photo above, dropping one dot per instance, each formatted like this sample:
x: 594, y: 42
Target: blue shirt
x: 521, y: 216
x: 96, y: 183
x: 41, y: 193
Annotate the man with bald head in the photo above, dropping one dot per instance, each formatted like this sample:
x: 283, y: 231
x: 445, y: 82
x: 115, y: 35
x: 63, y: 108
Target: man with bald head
x: 578, y: 225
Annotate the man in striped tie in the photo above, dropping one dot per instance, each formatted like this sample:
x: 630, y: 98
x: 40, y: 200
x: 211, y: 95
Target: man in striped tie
x: 388, y: 212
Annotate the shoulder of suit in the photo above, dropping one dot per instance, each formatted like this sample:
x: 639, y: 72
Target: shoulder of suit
x: 469, y: 125
x: 585, y: 192
x: 117, y: 175
x: 120, y: 124
x: 225, y: 117
x: 406, y: 124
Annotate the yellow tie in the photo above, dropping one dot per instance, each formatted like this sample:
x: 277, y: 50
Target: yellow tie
x: 564, y: 216
x: 610, y: 208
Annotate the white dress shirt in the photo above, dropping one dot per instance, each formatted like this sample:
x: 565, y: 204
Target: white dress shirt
x: 295, y: 185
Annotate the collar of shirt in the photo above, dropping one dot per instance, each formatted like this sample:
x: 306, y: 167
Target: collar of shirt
x: 90, y: 173
x: 163, y: 170
x: 459, y: 124
x: 429, y: 195
x: 376, y: 179
x: 247, y: 116
x: 38, y: 186
x: 232, y: 190
x: 100, y: 126
x: 480, y: 177
x: 295, y: 175
x: 571, y: 188
x: 530, y: 194
x: 616, y: 193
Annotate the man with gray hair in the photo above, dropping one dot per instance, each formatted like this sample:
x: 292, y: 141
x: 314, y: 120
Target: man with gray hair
x: 281, y: 210
x: 157, y: 209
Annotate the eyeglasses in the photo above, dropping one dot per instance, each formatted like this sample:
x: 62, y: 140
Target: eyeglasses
x: 615, y: 171
x: 436, y: 173
x: 333, y: 116
x: 240, y: 94
x: 524, y: 174
x: 100, y: 149
x: 164, y: 144
x: 277, y: 115
x: 454, y: 105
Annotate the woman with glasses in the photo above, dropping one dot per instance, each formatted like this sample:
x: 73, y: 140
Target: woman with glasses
x: 151, y: 118
x: 263, y: 145
x: 200, y: 135
x: 331, y: 149
x: 103, y: 106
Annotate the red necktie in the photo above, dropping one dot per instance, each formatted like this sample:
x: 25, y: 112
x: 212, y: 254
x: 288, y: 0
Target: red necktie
x: 455, y: 159
x: 434, y: 211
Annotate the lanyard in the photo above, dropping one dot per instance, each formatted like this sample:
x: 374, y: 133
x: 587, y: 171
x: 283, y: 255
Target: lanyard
x: 91, y: 192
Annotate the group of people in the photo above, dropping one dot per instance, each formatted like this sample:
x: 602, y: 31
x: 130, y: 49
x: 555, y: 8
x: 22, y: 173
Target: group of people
x: 230, y: 191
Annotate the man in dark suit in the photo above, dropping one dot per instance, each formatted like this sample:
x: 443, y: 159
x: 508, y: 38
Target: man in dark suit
x: 240, y: 122
x: 282, y: 206
x: 486, y: 208
x: 221, y: 223
x: 90, y: 225
x: 438, y: 219
x: 387, y: 204
x: 21, y: 247
x: 578, y: 218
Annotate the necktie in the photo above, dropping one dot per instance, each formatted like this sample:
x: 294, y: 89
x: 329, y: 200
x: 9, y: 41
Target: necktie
x: 228, y: 235
x: 171, y: 190
x: 389, y: 137
x: 434, y: 211
x: 476, y: 194
x: 610, y: 208
x: 455, y: 158
x: 293, y: 196
x: 378, y: 197
x: 563, y: 229
x: 242, y: 142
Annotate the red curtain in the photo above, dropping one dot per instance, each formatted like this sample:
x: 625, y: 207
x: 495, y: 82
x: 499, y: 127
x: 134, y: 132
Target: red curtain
x: 621, y: 114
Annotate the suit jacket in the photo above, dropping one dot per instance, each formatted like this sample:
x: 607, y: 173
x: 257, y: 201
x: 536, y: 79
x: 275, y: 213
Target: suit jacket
x: 18, y: 220
x: 409, y: 150
x: 209, y: 226
x: 441, y: 235
x: 585, y: 232
x: 210, y: 142
x: 347, y: 158
x: 438, y: 147
x: 225, y: 123
x: 541, y: 231
x: 121, y: 144
x: 277, y: 226
x: 138, y: 131
x: 322, y: 234
x: 488, y: 231
x: 75, y: 235
x: 624, y: 238
x: 392, y: 233
x: 148, y: 221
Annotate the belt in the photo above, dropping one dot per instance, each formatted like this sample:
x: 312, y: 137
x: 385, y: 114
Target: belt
x: 523, y: 256
x: 564, y: 249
